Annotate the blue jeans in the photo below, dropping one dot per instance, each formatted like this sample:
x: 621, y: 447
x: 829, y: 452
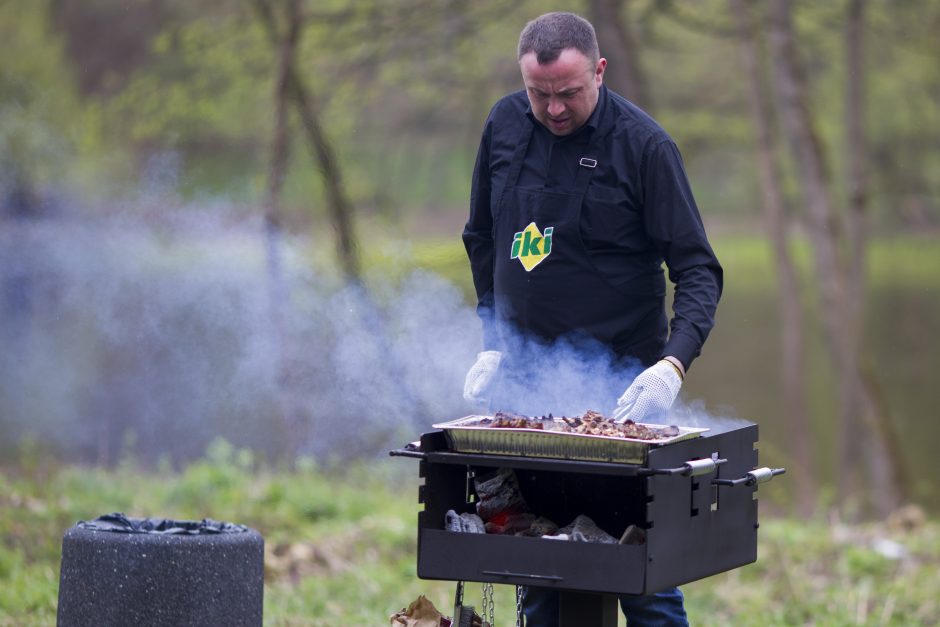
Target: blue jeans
x: 662, y: 609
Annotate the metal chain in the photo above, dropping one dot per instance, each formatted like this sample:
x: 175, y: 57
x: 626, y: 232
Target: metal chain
x: 488, y: 608
x: 518, y: 606
x: 458, y: 601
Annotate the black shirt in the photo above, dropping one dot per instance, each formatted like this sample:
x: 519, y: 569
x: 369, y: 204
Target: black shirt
x: 638, y: 211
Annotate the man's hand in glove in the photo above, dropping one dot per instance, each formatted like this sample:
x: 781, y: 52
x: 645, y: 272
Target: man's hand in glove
x: 480, y: 377
x: 651, y: 393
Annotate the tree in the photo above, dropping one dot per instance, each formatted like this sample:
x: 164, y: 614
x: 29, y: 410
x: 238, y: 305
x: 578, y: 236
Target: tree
x: 624, y: 73
x: 776, y: 212
x: 339, y: 206
x: 862, y: 424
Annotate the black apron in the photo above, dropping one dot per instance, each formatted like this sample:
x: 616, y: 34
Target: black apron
x: 562, y: 296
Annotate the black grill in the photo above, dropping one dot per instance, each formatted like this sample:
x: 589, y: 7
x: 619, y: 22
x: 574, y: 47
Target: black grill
x: 695, y: 499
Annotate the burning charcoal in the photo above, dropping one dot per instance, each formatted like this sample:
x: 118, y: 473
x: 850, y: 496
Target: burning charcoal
x: 541, y: 526
x: 583, y: 529
x: 557, y: 536
x: 464, y: 523
x: 633, y: 535
x: 510, y: 525
x: 499, y: 495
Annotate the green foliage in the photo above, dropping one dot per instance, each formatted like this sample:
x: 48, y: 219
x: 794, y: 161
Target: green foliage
x: 405, y: 122
x: 206, y: 78
x: 357, y: 531
x: 43, y: 127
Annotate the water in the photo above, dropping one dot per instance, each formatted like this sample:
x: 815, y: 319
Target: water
x: 739, y: 373
x: 125, y: 337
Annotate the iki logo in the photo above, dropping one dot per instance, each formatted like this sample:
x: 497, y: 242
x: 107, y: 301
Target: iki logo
x: 531, y: 247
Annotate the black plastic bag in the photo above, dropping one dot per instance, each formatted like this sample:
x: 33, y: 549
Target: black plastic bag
x: 120, y: 523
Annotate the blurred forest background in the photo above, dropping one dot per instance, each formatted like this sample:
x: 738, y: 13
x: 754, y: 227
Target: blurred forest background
x: 241, y: 218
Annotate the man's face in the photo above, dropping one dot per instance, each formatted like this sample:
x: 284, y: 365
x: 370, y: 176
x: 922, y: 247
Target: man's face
x: 562, y: 93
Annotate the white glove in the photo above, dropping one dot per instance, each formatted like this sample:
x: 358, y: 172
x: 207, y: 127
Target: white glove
x: 651, y: 393
x: 480, y: 377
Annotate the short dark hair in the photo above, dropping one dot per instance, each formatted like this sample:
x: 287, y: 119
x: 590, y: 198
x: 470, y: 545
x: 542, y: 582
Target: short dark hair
x: 549, y: 34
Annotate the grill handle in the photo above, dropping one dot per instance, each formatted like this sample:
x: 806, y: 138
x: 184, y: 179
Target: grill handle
x: 691, y: 468
x: 412, y: 449
x: 507, y: 573
x: 754, y: 477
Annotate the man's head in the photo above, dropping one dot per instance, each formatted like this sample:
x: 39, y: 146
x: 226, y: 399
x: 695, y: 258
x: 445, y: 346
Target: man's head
x: 562, y: 70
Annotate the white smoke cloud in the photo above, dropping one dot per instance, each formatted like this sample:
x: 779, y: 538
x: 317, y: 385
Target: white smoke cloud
x: 164, y: 330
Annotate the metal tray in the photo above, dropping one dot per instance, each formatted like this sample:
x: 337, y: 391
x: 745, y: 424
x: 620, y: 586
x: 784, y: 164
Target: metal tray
x: 466, y: 436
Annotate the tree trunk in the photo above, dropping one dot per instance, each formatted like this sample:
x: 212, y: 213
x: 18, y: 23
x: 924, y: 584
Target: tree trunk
x: 338, y: 203
x: 290, y: 413
x: 339, y: 207
x: 885, y: 472
x: 280, y: 151
x: 624, y: 73
x: 841, y: 333
x: 792, y: 338
x: 856, y: 148
x: 823, y: 230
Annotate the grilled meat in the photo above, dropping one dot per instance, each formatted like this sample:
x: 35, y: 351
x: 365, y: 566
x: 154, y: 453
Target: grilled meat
x: 591, y: 423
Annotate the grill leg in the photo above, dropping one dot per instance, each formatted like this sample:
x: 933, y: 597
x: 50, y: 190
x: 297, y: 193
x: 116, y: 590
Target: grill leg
x: 586, y: 609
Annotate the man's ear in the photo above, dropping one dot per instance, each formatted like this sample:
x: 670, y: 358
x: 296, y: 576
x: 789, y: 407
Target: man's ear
x: 599, y: 71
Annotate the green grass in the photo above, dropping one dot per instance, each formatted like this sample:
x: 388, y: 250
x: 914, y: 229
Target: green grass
x: 341, y: 546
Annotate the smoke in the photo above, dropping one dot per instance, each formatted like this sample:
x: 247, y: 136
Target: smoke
x: 693, y: 413
x: 156, y: 336
x: 567, y: 377
x: 120, y: 332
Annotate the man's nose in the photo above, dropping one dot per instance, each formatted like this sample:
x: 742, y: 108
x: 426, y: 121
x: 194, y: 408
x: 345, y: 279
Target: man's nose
x: 555, y: 107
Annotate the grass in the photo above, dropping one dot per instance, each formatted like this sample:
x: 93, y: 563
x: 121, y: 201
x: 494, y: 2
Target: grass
x: 341, y: 546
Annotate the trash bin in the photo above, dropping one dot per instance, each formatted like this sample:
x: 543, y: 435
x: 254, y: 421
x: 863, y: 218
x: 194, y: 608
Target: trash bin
x: 118, y: 570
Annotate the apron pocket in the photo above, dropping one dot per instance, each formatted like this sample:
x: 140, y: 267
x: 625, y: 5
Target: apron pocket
x: 611, y: 225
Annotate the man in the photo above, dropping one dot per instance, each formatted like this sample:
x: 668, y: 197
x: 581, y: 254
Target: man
x: 577, y: 199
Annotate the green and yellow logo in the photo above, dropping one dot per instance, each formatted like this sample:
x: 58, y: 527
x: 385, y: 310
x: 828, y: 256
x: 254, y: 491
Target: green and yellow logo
x: 531, y: 247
